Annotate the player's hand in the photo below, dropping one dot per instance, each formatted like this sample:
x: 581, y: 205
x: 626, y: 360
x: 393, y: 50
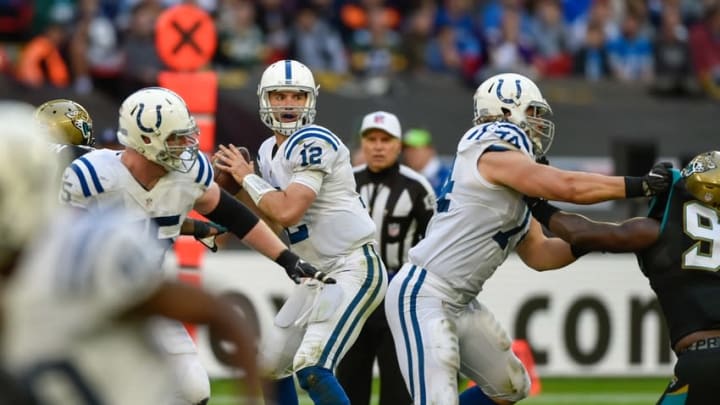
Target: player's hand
x: 235, y: 161
x: 205, y: 232
x: 658, y: 179
x: 297, y: 268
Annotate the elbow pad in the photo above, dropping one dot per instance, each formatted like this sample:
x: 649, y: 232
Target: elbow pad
x: 233, y: 215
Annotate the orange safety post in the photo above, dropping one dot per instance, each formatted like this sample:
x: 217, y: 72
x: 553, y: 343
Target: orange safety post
x: 185, y: 41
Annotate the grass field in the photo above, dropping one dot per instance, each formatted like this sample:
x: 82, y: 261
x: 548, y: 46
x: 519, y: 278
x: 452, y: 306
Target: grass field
x: 556, y: 391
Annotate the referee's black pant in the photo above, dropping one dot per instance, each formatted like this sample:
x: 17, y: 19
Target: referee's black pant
x: 356, y: 368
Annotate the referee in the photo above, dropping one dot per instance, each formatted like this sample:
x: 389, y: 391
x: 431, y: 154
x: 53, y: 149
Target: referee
x: 401, y: 202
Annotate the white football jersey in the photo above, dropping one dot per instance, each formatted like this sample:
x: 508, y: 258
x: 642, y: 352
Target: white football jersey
x: 62, y: 330
x: 100, y: 179
x: 477, y: 223
x: 337, y: 222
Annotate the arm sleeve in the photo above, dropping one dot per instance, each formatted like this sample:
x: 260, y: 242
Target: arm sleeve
x: 233, y: 215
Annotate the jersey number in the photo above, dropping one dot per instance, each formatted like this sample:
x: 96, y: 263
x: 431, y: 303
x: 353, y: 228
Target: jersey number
x: 703, y: 225
x: 443, y: 203
x: 310, y: 156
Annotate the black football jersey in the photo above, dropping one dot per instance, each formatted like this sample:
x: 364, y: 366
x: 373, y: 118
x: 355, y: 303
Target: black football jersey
x: 683, y: 264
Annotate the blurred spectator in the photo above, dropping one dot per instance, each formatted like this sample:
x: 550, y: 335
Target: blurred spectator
x: 15, y: 20
x: 317, y: 44
x: 376, y: 51
x: 592, y: 61
x: 673, y: 71
x: 512, y: 52
x: 492, y: 19
x: 631, y: 57
x: 550, y: 39
x: 705, y: 50
x: 417, y: 34
x: 420, y: 154
x: 273, y: 16
x: 142, y: 63
x: 240, y: 43
x: 602, y: 13
x: 41, y: 63
x: 95, y: 55
x: 355, y: 16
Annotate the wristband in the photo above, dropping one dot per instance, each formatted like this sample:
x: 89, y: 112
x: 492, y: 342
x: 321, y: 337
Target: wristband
x: 578, y: 251
x: 634, y: 187
x: 542, y: 211
x: 287, y: 259
x: 256, y: 187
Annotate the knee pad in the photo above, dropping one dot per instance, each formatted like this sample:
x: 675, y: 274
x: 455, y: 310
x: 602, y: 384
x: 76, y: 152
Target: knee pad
x: 519, y: 379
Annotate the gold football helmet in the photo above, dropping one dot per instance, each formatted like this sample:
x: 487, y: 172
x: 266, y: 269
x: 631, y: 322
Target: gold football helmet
x: 702, y: 178
x: 68, y: 122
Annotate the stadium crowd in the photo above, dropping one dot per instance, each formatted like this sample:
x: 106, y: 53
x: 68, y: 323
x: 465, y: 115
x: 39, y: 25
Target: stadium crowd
x: 672, y: 46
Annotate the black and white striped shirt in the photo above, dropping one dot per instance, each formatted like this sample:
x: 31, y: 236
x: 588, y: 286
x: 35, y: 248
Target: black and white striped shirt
x: 401, y: 202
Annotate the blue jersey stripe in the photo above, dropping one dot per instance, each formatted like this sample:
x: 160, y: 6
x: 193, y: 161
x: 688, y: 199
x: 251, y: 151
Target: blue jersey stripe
x: 519, y: 135
x: 81, y: 177
x: 403, y: 326
x: 374, y: 265
x: 502, y: 238
x: 201, y: 168
x: 93, y: 175
x: 211, y: 171
x: 418, y: 335
x: 313, y: 132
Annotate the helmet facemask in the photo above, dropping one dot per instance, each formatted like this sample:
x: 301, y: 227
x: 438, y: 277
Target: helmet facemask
x: 272, y: 116
x: 541, y: 130
x: 702, y: 178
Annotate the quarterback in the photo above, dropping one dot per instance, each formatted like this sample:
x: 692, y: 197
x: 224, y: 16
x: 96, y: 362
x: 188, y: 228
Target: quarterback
x: 307, y: 186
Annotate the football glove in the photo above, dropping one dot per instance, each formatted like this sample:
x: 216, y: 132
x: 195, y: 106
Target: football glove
x: 206, y: 232
x: 297, y: 268
x: 656, y: 181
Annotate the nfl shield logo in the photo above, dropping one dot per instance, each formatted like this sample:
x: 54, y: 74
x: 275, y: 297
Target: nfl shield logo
x: 393, y: 230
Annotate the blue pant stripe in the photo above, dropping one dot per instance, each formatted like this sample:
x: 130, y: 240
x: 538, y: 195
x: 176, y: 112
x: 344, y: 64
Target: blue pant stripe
x: 418, y: 336
x: 403, y: 326
x: 373, y: 266
x: 346, y: 315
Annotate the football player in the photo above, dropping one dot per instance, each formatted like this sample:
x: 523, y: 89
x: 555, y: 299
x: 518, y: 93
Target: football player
x: 158, y: 179
x: 438, y: 325
x: 307, y: 186
x: 677, y: 250
x: 78, y: 290
x: 70, y: 128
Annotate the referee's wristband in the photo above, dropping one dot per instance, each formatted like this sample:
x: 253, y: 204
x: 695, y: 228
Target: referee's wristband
x: 634, y: 187
x: 543, y: 211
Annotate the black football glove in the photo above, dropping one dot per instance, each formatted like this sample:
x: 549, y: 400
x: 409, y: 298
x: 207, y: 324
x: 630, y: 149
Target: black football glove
x: 205, y: 232
x: 543, y: 160
x: 656, y: 181
x: 297, y: 268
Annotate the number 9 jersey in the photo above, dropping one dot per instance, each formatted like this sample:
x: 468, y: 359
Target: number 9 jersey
x: 337, y: 222
x: 683, y: 264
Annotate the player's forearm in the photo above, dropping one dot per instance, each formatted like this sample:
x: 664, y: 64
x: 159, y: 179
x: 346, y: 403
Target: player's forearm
x: 590, y: 188
x: 280, y: 208
x: 262, y: 239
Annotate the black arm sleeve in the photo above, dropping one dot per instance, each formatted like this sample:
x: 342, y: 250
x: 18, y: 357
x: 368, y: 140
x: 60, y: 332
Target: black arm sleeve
x: 233, y: 215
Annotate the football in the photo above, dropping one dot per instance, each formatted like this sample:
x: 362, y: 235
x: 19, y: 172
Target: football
x: 225, y: 180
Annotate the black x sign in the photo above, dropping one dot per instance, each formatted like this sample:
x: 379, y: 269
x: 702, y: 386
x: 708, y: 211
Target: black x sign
x: 186, y: 37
